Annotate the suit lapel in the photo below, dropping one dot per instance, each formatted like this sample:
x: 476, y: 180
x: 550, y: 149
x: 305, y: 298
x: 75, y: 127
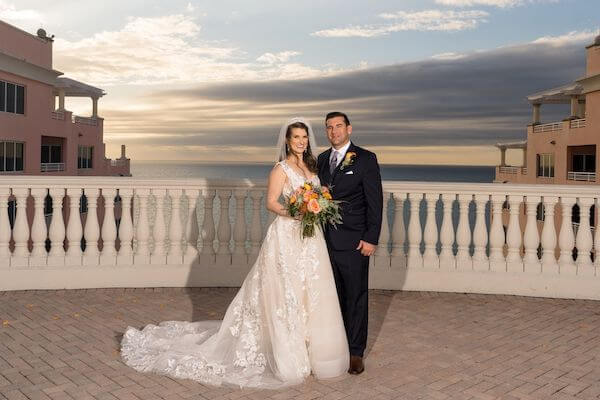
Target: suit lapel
x: 325, y: 166
x: 337, y: 169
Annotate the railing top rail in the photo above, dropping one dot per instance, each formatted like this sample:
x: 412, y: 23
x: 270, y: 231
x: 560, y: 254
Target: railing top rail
x: 231, y: 184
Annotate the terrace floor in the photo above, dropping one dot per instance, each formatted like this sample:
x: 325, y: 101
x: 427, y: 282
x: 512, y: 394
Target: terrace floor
x: 65, y: 345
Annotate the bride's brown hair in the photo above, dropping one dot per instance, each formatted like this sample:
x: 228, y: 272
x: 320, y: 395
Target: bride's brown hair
x: 309, y: 160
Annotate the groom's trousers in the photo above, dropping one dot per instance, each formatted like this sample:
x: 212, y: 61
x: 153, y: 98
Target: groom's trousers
x: 351, y: 274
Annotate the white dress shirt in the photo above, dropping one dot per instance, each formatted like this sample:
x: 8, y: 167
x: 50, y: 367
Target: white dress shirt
x: 341, y: 153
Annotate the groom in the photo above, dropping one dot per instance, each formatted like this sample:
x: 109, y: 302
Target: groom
x: 352, y: 174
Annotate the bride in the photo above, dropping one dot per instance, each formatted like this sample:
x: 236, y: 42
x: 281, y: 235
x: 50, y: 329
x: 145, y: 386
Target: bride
x: 285, y: 320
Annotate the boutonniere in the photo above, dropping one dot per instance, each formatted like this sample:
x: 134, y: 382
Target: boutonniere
x: 348, y: 160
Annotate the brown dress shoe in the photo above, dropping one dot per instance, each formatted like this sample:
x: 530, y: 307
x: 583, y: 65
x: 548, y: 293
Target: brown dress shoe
x: 356, y: 365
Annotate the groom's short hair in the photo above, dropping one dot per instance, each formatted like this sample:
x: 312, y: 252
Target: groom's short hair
x: 334, y: 114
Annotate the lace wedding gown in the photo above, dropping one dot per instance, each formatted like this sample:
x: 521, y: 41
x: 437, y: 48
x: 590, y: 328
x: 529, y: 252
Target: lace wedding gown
x: 283, y: 324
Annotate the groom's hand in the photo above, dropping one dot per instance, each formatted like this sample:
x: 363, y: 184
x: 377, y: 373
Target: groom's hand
x: 366, y: 249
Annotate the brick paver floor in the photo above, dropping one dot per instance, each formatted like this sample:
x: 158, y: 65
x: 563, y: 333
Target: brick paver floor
x: 65, y: 345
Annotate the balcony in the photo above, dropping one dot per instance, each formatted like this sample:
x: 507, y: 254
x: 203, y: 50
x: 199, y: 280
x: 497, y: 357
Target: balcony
x: 577, y: 123
x: 581, y: 176
x: 85, y: 120
x: 156, y: 229
x: 565, y: 126
x: 552, y: 127
x: 52, y: 167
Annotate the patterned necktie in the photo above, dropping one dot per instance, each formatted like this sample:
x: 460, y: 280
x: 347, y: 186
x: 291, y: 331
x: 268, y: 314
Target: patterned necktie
x: 333, y: 162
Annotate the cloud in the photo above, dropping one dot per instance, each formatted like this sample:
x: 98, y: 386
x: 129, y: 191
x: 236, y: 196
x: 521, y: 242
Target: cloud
x: 169, y: 50
x: 573, y: 37
x: 478, y: 99
x: 493, y: 3
x: 26, y: 19
x: 428, y: 20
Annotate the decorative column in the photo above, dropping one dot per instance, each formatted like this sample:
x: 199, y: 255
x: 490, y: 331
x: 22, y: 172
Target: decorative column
x: 175, y: 255
x: 125, y: 254
x: 56, y: 233
x: 480, y: 234
x: 207, y: 256
x: 414, y: 259
x: 463, y: 234
x: 430, y: 234
x: 159, y: 232
x: 239, y: 257
x: 497, y: 261
x: 447, y: 261
x: 74, y: 229
x: 108, y: 256
x: 94, y: 107
x: 4, y: 227
x: 566, y: 238
x: 39, y: 230
x: 398, y: 257
x: 141, y: 256
x: 531, y: 239
x: 255, y: 228
x: 536, y: 113
x: 502, y: 156
x: 583, y: 240
x: 191, y: 228
x: 574, y: 106
x: 382, y: 253
x: 20, y: 229
x: 224, y: 233
x: 91, y: 232
x: 549, y: 264
x: 514, y: 262
x: 61, y: 99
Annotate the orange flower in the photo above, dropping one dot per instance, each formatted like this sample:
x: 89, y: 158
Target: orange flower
x: 327, y: 195
x: 313, y: 206
x: 314, y: 196
x: 308, y: 195
x: 307, y: 186
x: 293, y: 199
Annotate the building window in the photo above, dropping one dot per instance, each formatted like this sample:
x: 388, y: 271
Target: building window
x: 84, y: 159
x: 51, y: 153
x: 584, y: 162
x: 12, y: 98
x: 545, y: 165
x: 11, y: 156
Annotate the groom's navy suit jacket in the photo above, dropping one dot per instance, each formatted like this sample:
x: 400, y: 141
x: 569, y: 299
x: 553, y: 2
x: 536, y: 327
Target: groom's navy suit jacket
x: 358, y: 187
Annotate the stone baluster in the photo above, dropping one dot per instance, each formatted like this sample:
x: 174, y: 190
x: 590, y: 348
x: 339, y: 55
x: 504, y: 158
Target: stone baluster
x: 497, y: 261
x: 207, y: 256
x: 549, y: 264
x: 414, y: 259
x: 566, y: 238
x: 21, y: 229
x: 463, y: 234
x: 224, y: 231
x: 91, y: 231
x: 583, y: 240
x: 430, y: 233
x: 480, y: 234
x: 125, y: 254
x: 175, y: 255
x: 39, y: 230
x: 159, y: 232
x: 74, y: 229
x: 398, y: 258
x: 57, y: 228
x: 255, y: 228
x: 108, y: 256
x: 239, y: 256
x: 4, y: 227
x: 531, y: 238
x: 191, y: 227
x: 142, y: 233
x: 447, y: 261
x: 514, y: 261
x: 382, y: 253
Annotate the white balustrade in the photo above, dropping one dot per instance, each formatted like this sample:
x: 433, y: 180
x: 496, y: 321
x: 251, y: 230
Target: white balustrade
x: 174, y: 260
x: 596, y: 235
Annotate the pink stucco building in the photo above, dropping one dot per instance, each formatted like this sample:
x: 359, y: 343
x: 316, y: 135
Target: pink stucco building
x: 38, y: 135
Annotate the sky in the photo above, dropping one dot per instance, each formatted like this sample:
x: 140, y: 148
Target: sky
x: 423, y: 81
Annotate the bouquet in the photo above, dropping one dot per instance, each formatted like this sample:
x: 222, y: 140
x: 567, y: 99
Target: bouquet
x: 315, y: 206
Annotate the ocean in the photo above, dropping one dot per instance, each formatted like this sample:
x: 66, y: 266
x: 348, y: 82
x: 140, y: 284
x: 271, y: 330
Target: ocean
x: 194, y: 169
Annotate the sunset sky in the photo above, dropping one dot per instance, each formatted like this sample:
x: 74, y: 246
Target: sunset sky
x: 423, y: 81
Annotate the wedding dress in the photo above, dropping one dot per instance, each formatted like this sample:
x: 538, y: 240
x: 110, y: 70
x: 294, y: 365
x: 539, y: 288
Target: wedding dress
x: 283, y: 324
